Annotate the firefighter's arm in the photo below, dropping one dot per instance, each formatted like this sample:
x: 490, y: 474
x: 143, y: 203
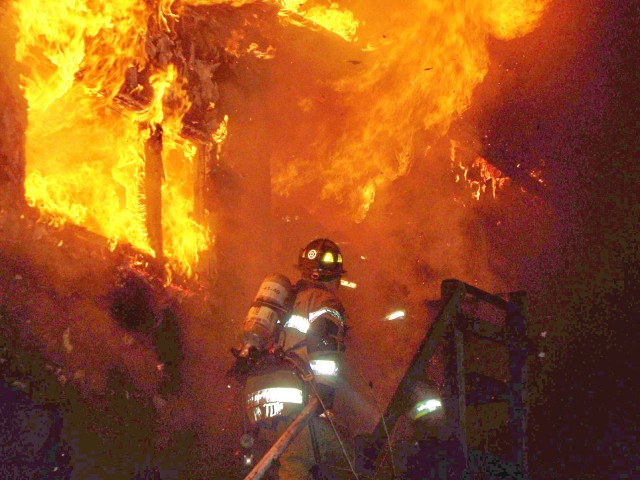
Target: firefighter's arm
x: 325, y: 346
x: 326, y: 331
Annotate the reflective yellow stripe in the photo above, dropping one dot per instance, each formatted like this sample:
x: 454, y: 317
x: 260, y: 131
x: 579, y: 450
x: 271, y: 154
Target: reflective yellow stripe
x: 298, y: 322
x: 395, y: 315
x: 272, y: 395
x: 327, y: 258
x: 324, y: 367
x: 302, y: 324
x: 334, y: 313
x: 429, y: 406
x: 347, y: 283
x: 425, y: 407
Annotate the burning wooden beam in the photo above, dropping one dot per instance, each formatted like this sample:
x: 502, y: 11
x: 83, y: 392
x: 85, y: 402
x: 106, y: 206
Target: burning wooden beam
x: 153, y: 178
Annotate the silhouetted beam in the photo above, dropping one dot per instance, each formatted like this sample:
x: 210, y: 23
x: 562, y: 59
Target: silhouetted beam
x: 517, y: 344
x: 481, y: 328
x: 153, y: 177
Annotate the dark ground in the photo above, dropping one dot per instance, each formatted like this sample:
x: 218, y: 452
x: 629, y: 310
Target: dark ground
x: 81, y: 335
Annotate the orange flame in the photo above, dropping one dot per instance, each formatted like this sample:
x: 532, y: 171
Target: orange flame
x: 318, y: 15
x: 85, y: 156
x: 268, y: 54
x: 419, y: 64
x: 331, y: 18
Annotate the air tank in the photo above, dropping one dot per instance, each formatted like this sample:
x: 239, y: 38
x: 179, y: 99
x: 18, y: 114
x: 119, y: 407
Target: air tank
x: 269, y: 307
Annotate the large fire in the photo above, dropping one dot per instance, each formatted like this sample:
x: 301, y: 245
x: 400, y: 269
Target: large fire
x: 85, y: 154
x: 109, y: 146
x: 420, y: 63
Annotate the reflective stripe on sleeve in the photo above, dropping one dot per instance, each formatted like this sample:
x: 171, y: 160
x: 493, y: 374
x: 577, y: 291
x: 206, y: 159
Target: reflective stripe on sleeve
x: 334, y: 313
x: 298, y: 322
x: 302, y: 324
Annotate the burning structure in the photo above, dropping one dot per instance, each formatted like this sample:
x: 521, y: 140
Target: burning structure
x: 141, y: 82
x: 158, y: 157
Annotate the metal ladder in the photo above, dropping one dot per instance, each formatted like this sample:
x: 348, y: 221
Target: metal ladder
x: 451, y: 327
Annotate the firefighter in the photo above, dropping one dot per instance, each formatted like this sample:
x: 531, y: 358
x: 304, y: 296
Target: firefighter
x: 315, y: 332
x: 308, y: 326
x: 315, y: 329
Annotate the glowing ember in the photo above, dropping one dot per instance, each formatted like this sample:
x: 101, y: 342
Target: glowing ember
x: 267, y: 54
x: 537, y: 174
x: 478, y: 174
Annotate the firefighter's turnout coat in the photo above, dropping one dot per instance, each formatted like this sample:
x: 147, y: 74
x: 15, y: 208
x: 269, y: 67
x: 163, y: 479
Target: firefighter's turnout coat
x: 313, y: 335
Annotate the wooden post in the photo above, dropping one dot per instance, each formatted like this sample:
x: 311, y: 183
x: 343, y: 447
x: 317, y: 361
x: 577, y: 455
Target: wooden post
x: 516, y: 336
x: 200, y: 181
x: 454, y: 398
x: 206, y: 268
x: 153, y: 178
x: 461, y: 399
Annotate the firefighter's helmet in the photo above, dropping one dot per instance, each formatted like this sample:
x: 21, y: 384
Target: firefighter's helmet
x: 321, y: 260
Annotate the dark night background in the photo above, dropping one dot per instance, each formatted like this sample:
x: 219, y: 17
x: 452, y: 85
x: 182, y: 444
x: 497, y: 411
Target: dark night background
x: 584, y: 118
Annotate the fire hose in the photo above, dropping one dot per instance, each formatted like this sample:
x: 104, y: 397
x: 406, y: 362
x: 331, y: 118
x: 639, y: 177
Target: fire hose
x: 285, y: 440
